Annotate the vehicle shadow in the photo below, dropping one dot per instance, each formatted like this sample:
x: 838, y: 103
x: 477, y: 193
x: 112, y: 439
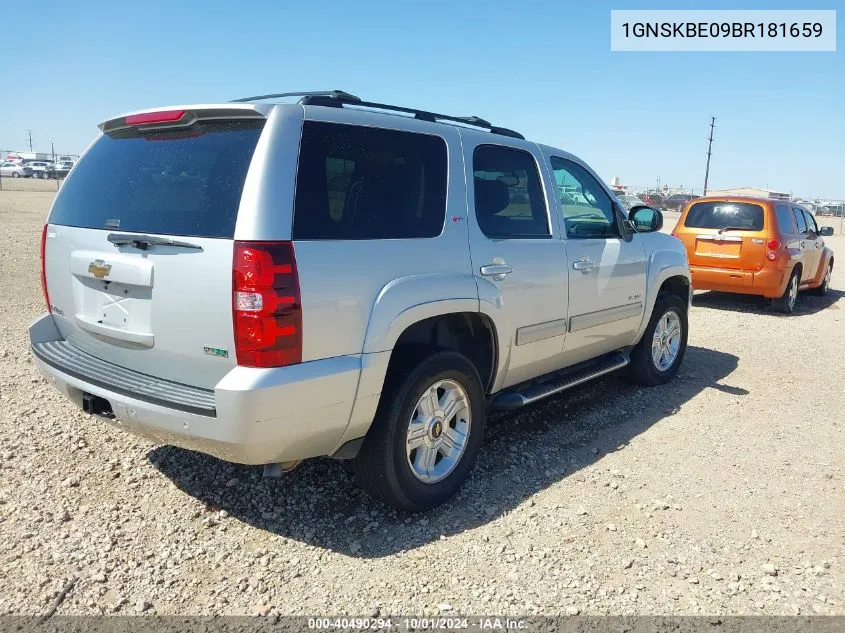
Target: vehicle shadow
x: 807, y: 303
x: 524, y: 452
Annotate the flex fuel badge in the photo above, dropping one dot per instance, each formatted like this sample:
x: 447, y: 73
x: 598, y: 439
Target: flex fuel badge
x: 216, y: 351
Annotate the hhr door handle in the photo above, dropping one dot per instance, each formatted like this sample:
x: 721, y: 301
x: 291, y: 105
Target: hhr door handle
x: 584, y: 265
x: 496, y: 271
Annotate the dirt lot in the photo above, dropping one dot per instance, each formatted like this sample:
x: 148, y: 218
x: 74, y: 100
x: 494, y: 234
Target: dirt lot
x: 721, y: 493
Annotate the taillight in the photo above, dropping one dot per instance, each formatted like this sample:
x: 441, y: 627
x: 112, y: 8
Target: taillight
x: 773, y: 245
x: 44, y: 268
x: 266, y: 308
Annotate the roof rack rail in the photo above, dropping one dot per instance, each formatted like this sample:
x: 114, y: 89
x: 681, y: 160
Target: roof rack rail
x: 339, y: 98
x: 338, y: 95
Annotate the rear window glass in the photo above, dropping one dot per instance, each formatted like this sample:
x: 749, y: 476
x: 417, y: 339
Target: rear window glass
x: 362, y: 183
x: 723, y: 215
x: 187, y: 182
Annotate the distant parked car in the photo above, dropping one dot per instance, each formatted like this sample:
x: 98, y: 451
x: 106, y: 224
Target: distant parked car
x: 61, y: 169
x: 652, y: 199
x: 13, y: 170
x: 628, y: 201
x: 40, y: 168
x: 677, y: 200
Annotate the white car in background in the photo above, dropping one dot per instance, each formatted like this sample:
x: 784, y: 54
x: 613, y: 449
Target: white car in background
x: 9, y: 169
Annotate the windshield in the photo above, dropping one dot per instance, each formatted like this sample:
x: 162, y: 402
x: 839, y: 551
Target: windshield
x: 175, y: 183
x: 723, y: 215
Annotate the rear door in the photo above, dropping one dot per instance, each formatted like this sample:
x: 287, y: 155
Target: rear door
x: 139, y: 246
x: 725, y: 234
x: 814, y: 245
x: 805, y: 244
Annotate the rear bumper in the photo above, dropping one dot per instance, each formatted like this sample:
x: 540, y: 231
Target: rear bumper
x: 769, y: 282
x: 253, y: 416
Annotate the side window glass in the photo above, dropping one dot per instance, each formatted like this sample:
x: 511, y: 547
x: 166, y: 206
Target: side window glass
x: 509, y: 200
x: 799, y: 218
x: 785, y: 225
x: 587, y: 209
x: 812, y: 227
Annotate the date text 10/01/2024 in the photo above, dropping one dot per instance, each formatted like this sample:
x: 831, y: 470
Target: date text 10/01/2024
x: 722, y: 29
x: 417, y: 624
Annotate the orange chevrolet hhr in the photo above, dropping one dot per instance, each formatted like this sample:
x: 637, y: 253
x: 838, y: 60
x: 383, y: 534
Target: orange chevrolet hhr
x: 757, y: 246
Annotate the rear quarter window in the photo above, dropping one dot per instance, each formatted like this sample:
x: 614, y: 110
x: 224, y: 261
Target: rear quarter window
x: 722, y: 215
x: 184, y: 182
x: 785, y: 224
x: 363, y: 183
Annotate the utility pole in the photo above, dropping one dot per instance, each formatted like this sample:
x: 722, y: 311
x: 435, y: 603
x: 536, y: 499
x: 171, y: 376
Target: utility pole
x: 29, y: 133
x: 709, y: 146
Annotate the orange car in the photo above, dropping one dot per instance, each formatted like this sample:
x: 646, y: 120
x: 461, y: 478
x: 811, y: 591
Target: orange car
x: 755, y: 246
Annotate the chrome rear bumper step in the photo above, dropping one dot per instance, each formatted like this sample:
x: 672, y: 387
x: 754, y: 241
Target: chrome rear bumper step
x: 67, y: 359
x: 548, y: 385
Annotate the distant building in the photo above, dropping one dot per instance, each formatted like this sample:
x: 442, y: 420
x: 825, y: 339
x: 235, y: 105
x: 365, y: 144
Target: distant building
x: 753, y: 192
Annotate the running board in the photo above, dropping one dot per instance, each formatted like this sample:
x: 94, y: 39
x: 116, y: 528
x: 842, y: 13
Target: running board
x: 548, y: 385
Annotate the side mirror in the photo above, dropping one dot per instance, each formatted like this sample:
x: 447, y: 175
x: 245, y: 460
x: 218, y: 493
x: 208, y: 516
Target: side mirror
x: 645, y: 219
x: 826, y: 231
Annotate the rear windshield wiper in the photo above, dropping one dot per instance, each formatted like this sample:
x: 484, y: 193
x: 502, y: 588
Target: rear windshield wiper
x: 145, y: 241
x: 732, y: 228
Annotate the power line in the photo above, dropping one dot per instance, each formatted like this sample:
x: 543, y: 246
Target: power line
x: 709, y: 146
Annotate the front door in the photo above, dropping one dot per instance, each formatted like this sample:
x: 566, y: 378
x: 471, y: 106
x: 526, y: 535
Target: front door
x: 517, y: 256
x: 814, y: 246
x: 807, y: 245
x: 607, y: 277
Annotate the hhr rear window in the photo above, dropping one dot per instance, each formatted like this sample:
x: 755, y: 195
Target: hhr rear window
x: 725, y: 215
x: 183, y: 182
x: 363, y: 183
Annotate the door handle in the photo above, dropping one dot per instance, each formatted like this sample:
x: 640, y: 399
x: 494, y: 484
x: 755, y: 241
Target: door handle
x: 496, y: 271
x: 584, y: 265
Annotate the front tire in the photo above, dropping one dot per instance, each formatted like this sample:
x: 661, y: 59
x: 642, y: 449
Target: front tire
x: 427, y: 432
x: 15, y: 174
x: 660, y: 352
x: 787, y: 301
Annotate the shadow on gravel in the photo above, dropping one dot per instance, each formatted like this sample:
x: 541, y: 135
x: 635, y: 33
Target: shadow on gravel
x: 807, y: 303
x: 524, y: 452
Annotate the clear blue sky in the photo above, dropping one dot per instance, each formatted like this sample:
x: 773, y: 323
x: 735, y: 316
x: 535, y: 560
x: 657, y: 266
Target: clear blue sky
x: 543, y: 68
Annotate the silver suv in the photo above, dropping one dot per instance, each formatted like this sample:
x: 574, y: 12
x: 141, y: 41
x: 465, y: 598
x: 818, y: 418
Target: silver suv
x: 268, y: 282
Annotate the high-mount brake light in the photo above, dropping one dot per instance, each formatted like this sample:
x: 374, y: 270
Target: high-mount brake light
x: 163, y: 116
x: 266, y: 306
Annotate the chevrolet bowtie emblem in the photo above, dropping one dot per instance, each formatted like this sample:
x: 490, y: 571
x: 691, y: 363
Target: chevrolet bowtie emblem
x: 99, y: 268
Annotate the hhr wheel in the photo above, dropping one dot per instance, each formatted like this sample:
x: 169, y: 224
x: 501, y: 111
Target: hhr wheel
x: 658, y: 355
x: 786, y: 303
x: 822, y: 289
x: 426, y: 434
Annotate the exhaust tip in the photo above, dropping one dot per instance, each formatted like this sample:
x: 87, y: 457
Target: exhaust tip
x: 277, y: 469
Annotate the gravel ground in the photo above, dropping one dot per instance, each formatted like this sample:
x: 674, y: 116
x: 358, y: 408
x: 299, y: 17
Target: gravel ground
x: 721, y: 493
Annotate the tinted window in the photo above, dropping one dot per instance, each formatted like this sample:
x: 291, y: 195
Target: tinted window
x: 799, y: 218
x: 811, y: 223
x: 785, y: 225
x: 362, y: 183
x: 509, y: 199
x: 722, y: 215
x: 586, y: 207
x: 175, y: 183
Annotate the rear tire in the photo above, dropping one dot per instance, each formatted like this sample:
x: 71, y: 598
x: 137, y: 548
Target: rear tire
x: 660, y: 352
x: 15, y: 174
x: 787, y: 301
x: 823, y: 288
x: 416, y: 455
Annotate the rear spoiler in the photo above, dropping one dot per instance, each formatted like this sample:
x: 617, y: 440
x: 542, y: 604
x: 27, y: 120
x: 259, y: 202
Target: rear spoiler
x: 182, y: 116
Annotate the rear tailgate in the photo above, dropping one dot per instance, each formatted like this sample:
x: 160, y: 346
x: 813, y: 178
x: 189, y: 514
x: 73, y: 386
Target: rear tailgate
x: 139, y: 243
x: 725, y: 235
